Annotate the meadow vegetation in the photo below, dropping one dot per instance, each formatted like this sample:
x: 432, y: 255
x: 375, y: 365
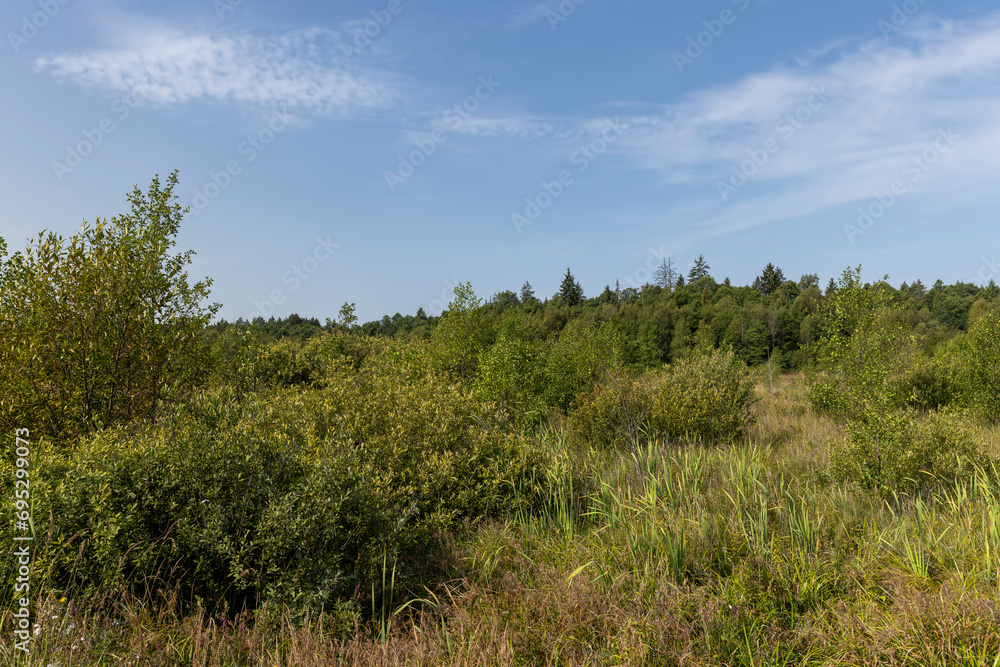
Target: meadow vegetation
x: 697, y: 474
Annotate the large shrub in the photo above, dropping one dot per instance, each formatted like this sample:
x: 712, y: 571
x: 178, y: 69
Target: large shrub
x: 709, y: 395
x: 980, y: 365
x: 295, y: 496
x: 928, y: 383
x: 580, y: 358
x: 863, y: 348
x: 244, y: 363
x: 615, y: 413
x: 462, y: 334
x: 932, y: 449
x: 511, y: 370
x: 102, y: 328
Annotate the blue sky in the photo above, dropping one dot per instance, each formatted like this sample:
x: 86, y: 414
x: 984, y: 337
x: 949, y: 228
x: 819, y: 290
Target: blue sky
x: 379, y: 152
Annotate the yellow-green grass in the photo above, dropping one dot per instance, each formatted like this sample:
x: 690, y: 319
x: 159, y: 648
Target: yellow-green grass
x: 742, y: 553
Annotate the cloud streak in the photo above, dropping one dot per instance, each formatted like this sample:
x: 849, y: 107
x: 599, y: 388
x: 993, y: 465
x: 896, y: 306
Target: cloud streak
x: 299, y: 70
x: 885, y: 104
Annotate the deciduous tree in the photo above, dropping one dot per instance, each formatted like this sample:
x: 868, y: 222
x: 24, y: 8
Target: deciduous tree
x: 101, y: 328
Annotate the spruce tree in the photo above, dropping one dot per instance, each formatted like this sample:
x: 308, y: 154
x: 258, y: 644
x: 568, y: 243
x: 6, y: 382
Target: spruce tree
x: 570, y: 290
x: 768, y: 282
x: 699, y: 270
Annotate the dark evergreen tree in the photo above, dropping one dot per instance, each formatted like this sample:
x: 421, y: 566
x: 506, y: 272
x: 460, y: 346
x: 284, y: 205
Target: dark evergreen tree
x: 607, y: 296
x: 699, y: 270
x: 831, y: 287
x: 768, y: 282
x: 570, y: 290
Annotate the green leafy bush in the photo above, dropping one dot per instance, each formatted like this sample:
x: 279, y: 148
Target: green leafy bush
x: 710, y: 395
x: 510, y: 371
x: 102, y: 328
x: 827, y: 395
x: 926, y: 384
x: 579, y: 359
x: 980, y: 366
x: 462, y: 334
x: 933, y: 449
x: 615, y: 413
x: 295, y: 496
x: 863, y: 348
x: 244, y: 363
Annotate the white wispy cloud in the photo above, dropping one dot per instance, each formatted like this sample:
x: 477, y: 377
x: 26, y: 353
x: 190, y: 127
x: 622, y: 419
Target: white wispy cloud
x: 300, y: 70
x: 512, y: 127
x: 881, y: 104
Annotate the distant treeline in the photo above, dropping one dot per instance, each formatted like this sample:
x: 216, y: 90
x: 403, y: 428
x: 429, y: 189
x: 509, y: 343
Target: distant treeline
x: 774, y: 317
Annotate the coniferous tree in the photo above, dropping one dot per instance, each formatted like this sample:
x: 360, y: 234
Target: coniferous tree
x: 607, y: 296
x: 527, y: 294
x: 570, y: 290
x: 699, y: 270
x: 770, y: 280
